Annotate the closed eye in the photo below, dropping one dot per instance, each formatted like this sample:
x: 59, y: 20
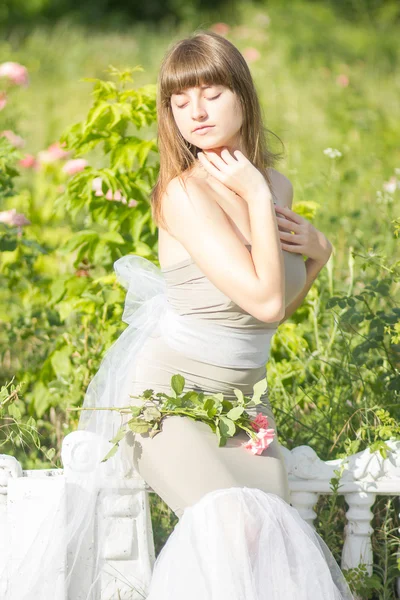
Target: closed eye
x: 214, y: 98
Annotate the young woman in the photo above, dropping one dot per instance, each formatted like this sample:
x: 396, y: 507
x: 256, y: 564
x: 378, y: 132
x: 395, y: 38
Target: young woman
x: 231, y: 272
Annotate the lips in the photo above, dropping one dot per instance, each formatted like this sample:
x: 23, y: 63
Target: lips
x: 203, y: 128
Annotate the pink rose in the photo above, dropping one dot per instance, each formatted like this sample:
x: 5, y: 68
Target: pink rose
x: 264, y: 438
x: 53, y: 153
x: 56, y: 151
x: 96, y: 186
x: 28, y: 162
x: 74, y: 165
x: 117, y: 196
x: 342, y: 80
x: 11, y: 217
x: 221, y: 28
x: 15, y: 72
x: 251, y: 54
x: 259, y: 422
x: 3, y: 100
x: 13, y: 138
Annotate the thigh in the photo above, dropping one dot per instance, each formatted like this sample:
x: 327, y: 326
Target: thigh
x: 183, y: 462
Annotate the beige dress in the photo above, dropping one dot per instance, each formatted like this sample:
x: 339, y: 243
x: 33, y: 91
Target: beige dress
x: 183, y: 462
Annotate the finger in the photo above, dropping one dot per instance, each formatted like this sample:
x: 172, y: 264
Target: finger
x: 227, y: 156
x: 209, y: 166
x: 293, y: 237
x: 292, y: 248
x: 288, y: 224
x: 289, y: 214
x: 240, y: 156
x: 216, y: 160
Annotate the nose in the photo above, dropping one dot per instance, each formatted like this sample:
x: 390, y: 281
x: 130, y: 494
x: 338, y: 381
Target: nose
x: 198, y: 110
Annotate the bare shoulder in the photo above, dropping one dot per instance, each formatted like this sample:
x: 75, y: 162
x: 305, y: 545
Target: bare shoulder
x: 282, y: 188
x: 184, y: 197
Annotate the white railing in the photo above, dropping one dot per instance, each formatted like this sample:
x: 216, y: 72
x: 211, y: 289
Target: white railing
x: 130, y: 546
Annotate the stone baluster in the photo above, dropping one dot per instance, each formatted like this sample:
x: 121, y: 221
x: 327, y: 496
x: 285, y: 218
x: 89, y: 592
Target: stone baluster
x: 125, y: 524
x: 9, y: 468
x: 357, y: 546
x: 304, y: 502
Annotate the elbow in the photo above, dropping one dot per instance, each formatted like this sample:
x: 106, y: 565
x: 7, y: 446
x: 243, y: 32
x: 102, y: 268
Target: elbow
x: 273, y: 312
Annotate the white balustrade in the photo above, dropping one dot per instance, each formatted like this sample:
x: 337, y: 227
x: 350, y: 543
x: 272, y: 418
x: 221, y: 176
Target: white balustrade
x: 129, y: 548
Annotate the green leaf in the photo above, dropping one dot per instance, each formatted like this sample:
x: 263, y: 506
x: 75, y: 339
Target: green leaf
x: 110, y: 453
x: 50, y: 453
x: 14, y: 412
x: 177, y: 383
x: 139, y: 426
x: 227, y: 426
x: 235, y: 413
x: 77, y: 239
x: 61, y: 363
x: 151, y: 413
x: 239, y: 395
x: 259, y: 389
x: 119, y: 436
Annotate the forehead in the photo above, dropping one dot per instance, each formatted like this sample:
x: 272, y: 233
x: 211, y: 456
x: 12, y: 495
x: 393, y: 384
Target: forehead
x: 196, y: 87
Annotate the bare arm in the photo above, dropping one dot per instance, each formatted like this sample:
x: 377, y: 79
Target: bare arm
x: 266, y: 250
x: 313, y: 267
x: 202, y: 227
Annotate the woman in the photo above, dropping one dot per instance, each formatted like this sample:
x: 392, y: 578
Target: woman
x: 233, y: 273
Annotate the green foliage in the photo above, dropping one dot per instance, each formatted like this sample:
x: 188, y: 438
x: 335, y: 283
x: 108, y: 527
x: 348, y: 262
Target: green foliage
x: 8, y: 172
x: 130, y: 171
x: 333, y: 375
x: 15, y: 427
x: 222, y: 416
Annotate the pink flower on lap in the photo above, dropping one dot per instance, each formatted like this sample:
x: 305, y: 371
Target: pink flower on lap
x: 264, y: 438
x: 260, y: 421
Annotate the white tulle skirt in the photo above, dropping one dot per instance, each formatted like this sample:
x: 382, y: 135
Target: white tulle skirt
x: 242, y: 543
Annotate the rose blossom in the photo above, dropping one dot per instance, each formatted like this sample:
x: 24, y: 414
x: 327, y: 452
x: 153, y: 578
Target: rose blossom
x: 264, y: 438
x: 342, y: 80
x: 251, y: 54
x: 52, y: 153
x: 14, y: 139
x: 28, y: 161
x: 11, y: 217
x: 96, y: 186
x: 259, y: 422
x: 15, y: 72
x: 221, y: 28
x: 117, y: 196
x: 74, y: 165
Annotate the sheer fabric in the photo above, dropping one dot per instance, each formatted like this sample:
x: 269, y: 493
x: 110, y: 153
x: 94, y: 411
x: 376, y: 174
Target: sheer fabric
x: 241, y: 543
x: 236, y: 544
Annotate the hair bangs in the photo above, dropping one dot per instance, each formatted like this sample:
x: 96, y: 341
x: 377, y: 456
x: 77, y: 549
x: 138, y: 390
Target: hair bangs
x: 189, y: 67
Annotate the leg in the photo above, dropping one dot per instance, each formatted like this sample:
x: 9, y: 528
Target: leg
x: 183, y: 462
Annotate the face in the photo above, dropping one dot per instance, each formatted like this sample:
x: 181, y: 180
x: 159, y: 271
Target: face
x: 214, y: 106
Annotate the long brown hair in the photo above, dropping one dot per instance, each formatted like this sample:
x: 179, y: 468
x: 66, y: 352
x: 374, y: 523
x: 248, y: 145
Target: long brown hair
x: 205, y: 57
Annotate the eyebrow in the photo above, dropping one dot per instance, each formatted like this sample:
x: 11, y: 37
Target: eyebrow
x: 203, y: 87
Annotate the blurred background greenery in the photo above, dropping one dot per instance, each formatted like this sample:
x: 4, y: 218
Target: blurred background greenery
x: 327, y: 73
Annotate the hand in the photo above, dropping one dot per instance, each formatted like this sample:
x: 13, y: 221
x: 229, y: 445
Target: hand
x: 236, y: 172
x: 306, y: 239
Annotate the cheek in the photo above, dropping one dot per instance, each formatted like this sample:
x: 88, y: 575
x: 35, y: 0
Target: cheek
x: 181, y: 121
